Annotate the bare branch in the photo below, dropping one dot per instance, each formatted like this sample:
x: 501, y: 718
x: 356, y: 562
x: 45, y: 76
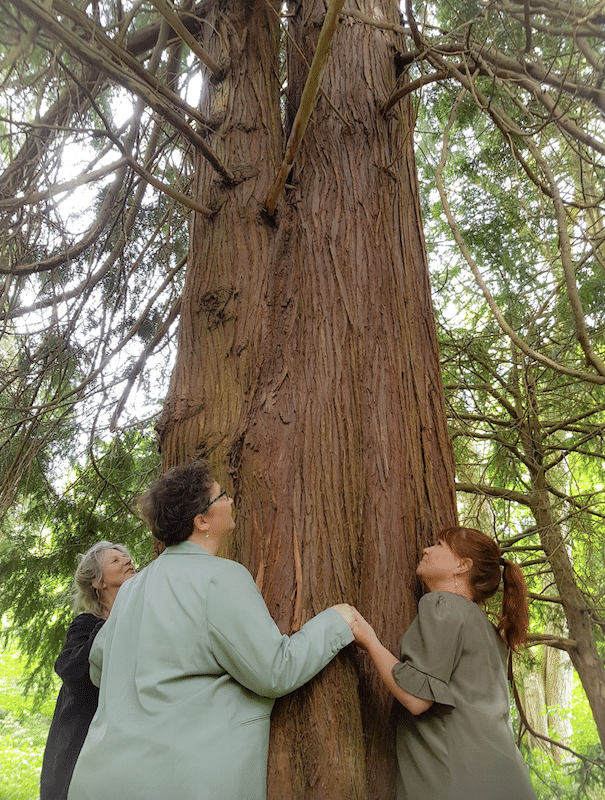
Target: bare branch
x: 168, y: 12
x: 136, y: 369
x: 567, y: 261
x: 559, y: 642
x: 106, y: 212
x: 307, y: 102
x: 8, y: 203
x: 506, y: 328
x: 132, y: 76
x: 375, y: 23
x: 495, y: 491
x: 410, y: 87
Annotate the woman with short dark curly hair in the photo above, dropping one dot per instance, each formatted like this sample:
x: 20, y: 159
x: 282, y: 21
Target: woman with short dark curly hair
x: 190, y: 662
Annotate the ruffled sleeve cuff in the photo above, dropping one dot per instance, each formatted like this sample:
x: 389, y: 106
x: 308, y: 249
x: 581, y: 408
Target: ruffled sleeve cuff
x: 421, y: 685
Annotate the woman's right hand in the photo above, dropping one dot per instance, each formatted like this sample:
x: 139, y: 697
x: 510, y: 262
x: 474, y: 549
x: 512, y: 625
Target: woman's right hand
x: 364, y: 633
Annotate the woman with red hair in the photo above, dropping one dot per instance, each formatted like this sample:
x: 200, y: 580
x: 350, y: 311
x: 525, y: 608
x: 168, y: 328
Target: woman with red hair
x: 454, y: 737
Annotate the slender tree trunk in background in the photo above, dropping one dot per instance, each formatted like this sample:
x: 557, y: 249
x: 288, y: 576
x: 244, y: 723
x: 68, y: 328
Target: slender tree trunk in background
x: 585, y: 656
x: 546, y: 693
x: 308, y: 370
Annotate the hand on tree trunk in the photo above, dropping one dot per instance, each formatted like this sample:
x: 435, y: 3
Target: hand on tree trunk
x: 347, y: 612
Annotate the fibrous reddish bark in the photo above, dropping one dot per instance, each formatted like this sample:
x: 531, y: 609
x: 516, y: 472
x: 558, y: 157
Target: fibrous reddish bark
x: 308, y: 370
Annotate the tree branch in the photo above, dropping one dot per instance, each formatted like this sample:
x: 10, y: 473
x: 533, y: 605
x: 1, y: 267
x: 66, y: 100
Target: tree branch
x: 8, y: 203
x: 307, y: 102
x: 131, y: 77
x: 410, y: 87
x: 549, y: 640
x: 537, y: 735
x: 494, y: 491
x: 506, y: 328
x: 58, y: 260
x: 170, y: 15
x: 135, y: 370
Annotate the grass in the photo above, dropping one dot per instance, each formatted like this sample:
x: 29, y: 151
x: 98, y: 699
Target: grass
x: 23, y: 732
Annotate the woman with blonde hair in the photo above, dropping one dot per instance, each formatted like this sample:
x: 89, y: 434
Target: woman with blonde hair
x: 100, y: 573
x: 454, y: 735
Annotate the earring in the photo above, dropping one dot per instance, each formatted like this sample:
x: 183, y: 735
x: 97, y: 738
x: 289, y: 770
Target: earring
x: 207, y: 536
x: 455, y: 583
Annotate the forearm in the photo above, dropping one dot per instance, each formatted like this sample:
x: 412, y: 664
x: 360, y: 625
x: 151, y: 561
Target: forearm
x: 384, y: 661
x: 247, y: 643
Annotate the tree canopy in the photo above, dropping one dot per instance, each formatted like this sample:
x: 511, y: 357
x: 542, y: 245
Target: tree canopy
x: 100, y: 105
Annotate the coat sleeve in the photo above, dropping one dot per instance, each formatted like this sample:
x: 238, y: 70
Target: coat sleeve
x: 72, y: 663
x: 95, y: 657
x: 247, y: 643
x: 430, y: 650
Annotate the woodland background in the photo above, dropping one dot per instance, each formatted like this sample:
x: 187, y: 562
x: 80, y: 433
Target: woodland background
x: 101, y: 139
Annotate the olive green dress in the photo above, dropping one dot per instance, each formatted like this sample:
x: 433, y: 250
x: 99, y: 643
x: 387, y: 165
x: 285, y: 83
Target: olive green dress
x: 463, y: 747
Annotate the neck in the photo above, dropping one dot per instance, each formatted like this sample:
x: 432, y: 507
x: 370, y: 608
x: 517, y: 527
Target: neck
x: 453, y: 585
x: 211, y: 544
x: 107, y: 599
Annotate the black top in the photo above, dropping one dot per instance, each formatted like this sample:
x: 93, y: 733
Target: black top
x: 76, y: 706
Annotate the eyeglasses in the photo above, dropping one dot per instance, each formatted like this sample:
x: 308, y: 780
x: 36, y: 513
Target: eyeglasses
x: 218, y: 497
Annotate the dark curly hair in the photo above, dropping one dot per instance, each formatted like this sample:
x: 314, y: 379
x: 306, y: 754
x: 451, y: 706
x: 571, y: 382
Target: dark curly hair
x: 489, y: 568
x: 172, y: 502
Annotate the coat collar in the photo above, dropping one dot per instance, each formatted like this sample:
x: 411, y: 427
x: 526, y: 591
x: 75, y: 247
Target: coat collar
x: 186, y: 548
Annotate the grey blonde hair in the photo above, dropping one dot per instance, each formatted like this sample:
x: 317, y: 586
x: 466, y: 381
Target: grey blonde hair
x: 90, y: 568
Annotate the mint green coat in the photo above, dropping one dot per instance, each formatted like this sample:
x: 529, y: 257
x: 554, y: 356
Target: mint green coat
x: 189, y: 665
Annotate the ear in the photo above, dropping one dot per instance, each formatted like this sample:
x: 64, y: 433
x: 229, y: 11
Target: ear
x: 466, y: 564
x: 200, y: 524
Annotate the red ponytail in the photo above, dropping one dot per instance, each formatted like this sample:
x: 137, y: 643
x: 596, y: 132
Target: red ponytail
x: 515, y: 611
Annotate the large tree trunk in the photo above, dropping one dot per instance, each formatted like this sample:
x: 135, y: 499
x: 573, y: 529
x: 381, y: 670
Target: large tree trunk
x: 308, y: 370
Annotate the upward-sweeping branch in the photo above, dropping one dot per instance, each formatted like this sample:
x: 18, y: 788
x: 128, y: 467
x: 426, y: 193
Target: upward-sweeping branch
x: 307, y: 102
